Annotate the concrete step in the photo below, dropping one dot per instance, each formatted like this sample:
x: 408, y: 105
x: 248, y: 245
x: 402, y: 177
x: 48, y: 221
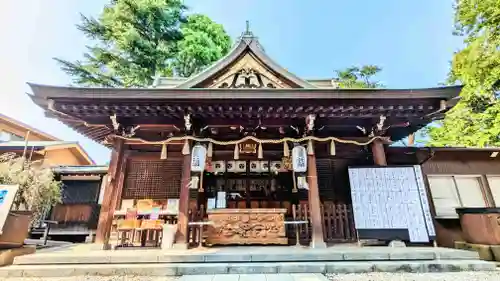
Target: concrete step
x: 176, y: 269
x: 247, y: 255
x: 256, y: 277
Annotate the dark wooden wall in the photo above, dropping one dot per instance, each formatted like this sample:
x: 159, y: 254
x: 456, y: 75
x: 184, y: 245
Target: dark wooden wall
x: 152, y: 178
x: 458, y: 163
x: 79, y: 204
x: 462, y: 163
x: 447, y: 162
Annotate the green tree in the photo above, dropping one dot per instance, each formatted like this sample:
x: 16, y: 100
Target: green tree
x: 358, y: 77
x: 475, y: 120
x: 203, y: 43
x: 136, y: 40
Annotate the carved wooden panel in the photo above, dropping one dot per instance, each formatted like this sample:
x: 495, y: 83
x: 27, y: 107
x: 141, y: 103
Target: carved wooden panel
x: 247, y: 226
x: 248, y: 73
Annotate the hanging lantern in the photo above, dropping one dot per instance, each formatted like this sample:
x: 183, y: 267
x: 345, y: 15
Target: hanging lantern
x: 163, y: 155
x: 198, y: 158
x: 299, y: 159
x: 210, y: 149
x: 332, y: 148
x: 260, y: 153
x: 236, y: 152
x: 185, y: 148
x: 286, y: 150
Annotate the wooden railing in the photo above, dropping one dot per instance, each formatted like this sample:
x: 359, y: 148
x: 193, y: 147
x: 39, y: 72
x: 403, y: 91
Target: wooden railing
x: 195, y: 215
x: 338, y: 224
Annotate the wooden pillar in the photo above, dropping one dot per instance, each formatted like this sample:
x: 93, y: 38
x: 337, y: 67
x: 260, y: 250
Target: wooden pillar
x: 181, y: 237
x: 317, y: 240
x: 378, y: 152
x: 109, y: 201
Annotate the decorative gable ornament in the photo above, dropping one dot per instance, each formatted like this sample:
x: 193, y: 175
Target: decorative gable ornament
x: 299, y: 159
x: 248, y: 147
x: 198, y: 158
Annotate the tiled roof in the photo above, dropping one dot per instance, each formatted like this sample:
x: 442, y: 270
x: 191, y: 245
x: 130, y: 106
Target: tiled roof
x: 35, y: 144
x: 94, y: 169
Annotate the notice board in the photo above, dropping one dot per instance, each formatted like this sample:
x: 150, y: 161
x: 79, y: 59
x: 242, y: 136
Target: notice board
x: 391, y: 203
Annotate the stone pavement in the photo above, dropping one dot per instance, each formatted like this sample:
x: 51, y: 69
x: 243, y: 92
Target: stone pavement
x: 256, y: 277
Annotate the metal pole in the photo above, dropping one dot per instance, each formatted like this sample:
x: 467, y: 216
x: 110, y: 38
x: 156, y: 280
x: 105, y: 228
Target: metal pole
x: 26, y: 137
x: 297, y: 233
x: 46, y: 234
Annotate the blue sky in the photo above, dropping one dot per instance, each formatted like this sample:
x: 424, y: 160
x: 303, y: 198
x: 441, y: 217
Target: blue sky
x: 411, y: 40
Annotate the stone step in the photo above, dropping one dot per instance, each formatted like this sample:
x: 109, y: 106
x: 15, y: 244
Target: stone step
x: 176, y: 269
x: 256, y: 277
x: 246, y: 255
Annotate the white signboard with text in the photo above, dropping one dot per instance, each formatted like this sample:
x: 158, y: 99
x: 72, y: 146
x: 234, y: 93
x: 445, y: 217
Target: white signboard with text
x: 390, y: 198
x: 173, y: 206
x: 7, y: 196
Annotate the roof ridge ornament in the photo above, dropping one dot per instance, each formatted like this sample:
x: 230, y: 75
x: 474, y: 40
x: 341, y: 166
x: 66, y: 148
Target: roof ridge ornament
x: 247, y: 32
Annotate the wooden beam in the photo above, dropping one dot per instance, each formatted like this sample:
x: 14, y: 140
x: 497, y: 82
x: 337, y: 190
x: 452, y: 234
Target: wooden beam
x: 117, y: 199
x: 106, y: 214
x: 317, y: 240
x: 181, y: 237
x: 378, y: 152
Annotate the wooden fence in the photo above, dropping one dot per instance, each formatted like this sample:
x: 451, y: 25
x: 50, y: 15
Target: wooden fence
x: 338, y: 224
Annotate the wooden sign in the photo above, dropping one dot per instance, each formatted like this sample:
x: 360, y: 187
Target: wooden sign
x: 248, y: 147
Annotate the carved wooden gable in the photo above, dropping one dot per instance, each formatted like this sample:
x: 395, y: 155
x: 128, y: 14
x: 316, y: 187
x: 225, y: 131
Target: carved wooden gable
x: 248, y: 72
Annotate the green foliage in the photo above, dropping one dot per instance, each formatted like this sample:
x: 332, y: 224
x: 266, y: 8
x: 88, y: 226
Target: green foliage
x: 38, y: 189
x: 137, y: 40
x: 475, y: 121
x: 358, y: 78
x: 203, y: 43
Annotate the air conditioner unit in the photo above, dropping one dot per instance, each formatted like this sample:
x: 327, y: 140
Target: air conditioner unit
x: 264, y: 166
x: 255, y: 166
x: 241, y: 166
x: 276, y: 166
x: 219, y: 166
x: 231, y: 166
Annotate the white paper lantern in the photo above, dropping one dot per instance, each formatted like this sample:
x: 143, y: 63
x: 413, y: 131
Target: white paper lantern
x: 219, y: 166
x: 198, y: 157
x: 299, y: 159
x: 254, y: 166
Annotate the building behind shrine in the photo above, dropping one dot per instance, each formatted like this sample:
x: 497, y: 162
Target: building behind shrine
x: 249, y: 112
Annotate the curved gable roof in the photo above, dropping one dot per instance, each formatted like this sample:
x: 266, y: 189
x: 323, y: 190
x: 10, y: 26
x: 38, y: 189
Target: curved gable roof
x: 247, y: 43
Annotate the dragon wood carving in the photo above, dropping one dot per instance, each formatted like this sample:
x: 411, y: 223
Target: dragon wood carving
x: 247, y: 229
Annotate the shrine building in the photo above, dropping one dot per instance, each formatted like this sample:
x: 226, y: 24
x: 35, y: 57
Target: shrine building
x: 280, y: 153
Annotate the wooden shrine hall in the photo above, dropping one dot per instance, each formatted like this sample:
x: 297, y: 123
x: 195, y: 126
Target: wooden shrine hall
x: 247, y: 115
